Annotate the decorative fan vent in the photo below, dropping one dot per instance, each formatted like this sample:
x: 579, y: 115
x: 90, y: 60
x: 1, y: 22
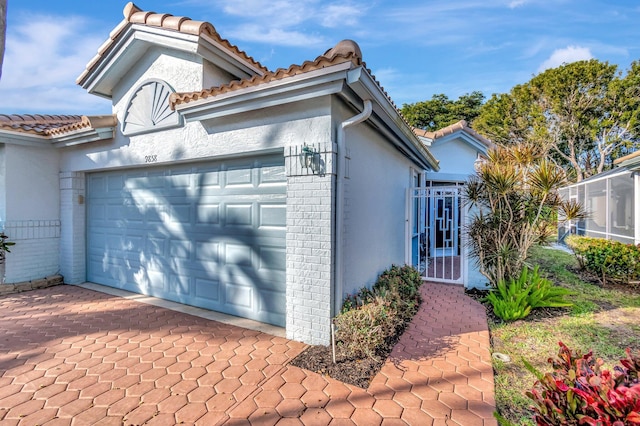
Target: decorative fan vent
x: 149, y: 109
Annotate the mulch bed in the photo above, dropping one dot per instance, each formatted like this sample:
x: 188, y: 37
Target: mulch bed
x: 357, y: 372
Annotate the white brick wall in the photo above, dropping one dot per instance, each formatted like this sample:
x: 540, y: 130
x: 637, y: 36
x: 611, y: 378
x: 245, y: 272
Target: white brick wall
x: 310, y: 242
x: 35, y: 254
x: 72, y: 230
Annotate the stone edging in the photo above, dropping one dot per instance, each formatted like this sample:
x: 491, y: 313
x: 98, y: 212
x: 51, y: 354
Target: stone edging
x: 31, y: 285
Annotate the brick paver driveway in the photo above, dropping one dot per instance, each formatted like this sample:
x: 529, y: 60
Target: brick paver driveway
x: 69, y: 355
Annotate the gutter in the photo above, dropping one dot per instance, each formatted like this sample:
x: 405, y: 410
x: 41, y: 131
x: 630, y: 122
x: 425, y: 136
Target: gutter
x: 340, y: 176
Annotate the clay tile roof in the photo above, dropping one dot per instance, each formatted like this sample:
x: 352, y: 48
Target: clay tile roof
x: 134, y: 15
x: 452, y: 128
x: 344, y: 51
x: 53, y: 125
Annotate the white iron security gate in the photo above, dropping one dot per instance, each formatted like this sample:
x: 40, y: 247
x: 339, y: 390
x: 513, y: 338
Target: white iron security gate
x: 436, y: 220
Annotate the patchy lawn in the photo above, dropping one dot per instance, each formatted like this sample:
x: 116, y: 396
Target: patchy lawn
x: 603, y: 319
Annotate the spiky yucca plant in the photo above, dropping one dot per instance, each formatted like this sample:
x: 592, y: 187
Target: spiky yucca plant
x: 515, y: 204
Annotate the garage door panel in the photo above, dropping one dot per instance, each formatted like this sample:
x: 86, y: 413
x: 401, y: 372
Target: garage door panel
x: 208, y: 213
x: 238, y: 296
x: 272, y: 174
x: 209, y: 290
x: 210, y: 235
x: 238, y: 214
x: 272, y: 259
x: 239, y: 176
x: 272, y: 215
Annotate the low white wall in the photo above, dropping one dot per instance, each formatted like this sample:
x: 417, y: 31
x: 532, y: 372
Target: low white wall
x: 32, y: 212
x: 36, y: 253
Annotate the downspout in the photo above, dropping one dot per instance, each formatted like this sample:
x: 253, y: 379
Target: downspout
x: 340, y: 176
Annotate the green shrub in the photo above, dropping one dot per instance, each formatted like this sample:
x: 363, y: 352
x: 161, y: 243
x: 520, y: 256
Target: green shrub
x: 515, y: 299
x: 579, y: 392
x: 609, y: 260
x: 371, y: 316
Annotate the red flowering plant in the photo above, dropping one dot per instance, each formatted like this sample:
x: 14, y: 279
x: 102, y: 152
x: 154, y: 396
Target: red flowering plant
x: 580, y: 392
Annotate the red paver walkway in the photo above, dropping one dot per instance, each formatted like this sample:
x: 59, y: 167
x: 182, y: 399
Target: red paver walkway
x: 71, y: 356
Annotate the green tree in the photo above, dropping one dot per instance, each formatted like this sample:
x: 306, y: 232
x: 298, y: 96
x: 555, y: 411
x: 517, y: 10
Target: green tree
x: 440, y: 111
x: 584, y: 113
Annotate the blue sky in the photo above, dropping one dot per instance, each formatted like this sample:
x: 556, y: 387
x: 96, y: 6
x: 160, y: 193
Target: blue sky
x: 415, y: 48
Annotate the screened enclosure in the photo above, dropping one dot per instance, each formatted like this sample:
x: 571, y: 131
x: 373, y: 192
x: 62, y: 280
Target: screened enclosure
x: 610, y: 200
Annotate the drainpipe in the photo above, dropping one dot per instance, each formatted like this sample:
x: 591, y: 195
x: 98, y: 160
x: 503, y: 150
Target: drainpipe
x: 340, y: 175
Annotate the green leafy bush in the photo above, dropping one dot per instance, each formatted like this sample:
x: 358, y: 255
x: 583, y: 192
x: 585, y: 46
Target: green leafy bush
x: 579, y: 392
x: 371, y: 316
x: 609, y: 260
x: 516, y: 298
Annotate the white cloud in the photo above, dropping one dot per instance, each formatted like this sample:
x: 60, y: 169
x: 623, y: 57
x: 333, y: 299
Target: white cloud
x: 43, y: 58
x: 276, y: 36
x: 336, y: 15
x: 517, y: 3
x: 289, y: 22
x: 565, y: 56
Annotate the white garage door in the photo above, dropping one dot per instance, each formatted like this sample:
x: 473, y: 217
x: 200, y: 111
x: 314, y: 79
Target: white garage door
x: 210, y: 235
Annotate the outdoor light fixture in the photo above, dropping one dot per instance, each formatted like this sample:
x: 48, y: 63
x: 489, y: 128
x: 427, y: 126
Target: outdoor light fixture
x: 310, y: 158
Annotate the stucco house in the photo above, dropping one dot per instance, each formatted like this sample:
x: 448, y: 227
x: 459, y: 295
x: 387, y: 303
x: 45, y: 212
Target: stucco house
x: 216, y: 182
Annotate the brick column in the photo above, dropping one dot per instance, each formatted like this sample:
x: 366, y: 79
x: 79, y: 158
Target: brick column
x: 310, y: 244
x: 72, y: 227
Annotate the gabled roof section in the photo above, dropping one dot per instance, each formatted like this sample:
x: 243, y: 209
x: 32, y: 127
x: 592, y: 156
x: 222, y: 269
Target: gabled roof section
x: 180, y: 25
x: 339, y: 71
x: 460, y: 126
x: 345, y: 51
x: 65, y: 129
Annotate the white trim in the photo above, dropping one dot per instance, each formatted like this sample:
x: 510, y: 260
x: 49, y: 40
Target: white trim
x: 320, y: 82
x: 605, y: 234
x: 596, y: 179
x: 76, y: 137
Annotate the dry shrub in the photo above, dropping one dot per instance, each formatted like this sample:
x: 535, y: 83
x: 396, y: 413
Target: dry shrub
x: 361, y: 331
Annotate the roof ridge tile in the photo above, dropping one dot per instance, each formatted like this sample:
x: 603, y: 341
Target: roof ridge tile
x: 320, y: 62
x: 134, y: 15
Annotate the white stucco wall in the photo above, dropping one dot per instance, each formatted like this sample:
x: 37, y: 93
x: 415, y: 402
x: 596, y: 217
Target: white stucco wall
x: 239, y: 134
x: 375, y: 199
x: 182, y: 70
x: 456, y: 159
x: 32, y: 211
x: 33, y: 189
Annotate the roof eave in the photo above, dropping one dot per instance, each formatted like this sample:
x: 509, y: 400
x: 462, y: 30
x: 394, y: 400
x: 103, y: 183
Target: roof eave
x: 132, y: 43
x: 324, y: 81
x: 217, y: 54
x: 466, y: 137
x: 76, y: 137
x: 631, y: 161
x: 83, y: 136
x: 366, y: 87
x: 134, y: 40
